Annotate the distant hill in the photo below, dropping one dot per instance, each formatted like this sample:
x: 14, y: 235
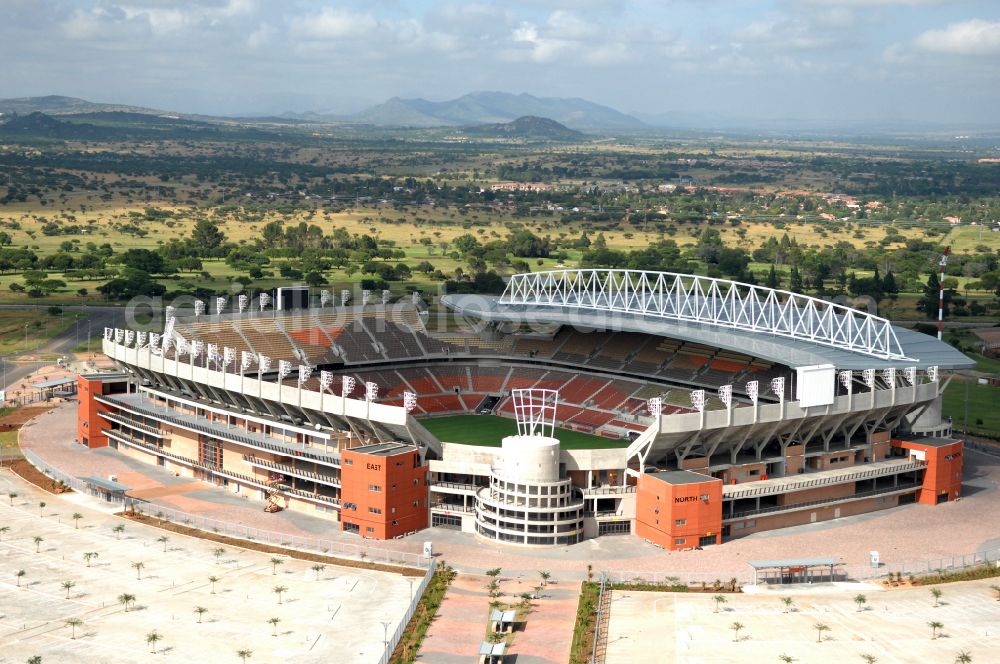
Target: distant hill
x: 493, y: 108
x: 60, y: 105
x: 40, y: 125
x: 527, y: 126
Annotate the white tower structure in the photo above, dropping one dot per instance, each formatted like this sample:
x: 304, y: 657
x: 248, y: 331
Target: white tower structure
x: 528, y: 501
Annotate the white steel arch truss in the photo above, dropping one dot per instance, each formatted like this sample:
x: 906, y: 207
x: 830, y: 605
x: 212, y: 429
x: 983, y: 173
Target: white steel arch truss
x: 708, y: 301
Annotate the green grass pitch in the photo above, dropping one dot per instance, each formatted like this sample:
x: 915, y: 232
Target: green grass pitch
x: 488, y: 430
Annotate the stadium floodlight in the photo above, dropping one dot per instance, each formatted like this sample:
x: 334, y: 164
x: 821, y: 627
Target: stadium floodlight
x: 199, y: 307
x: 778, y: 387
x: 284, y: 368
x: 304, y: 373
x: 212, y: 354
x: 889, y: 374
x: 698, y: 400
x: 409, y: 401
x: 129, y: 337
x: 345, y: 297
x: 220, y: 304
x: 365, y: 296
x: 228, y: 356
x: 846, y: 379
x: 169, y: 312
x: 246, y: 359
x: 241, y: 303
x: 415, y: 297
x: 197, y: 345
x: 324, y: 298
x: 264, y: 362
x: 932, y: 374
x: 167, y: 342
x: 182, y: 346
x: 371, y: 391
x: 325, y: 380
x: 119, y: 335
x: 868, y: 375
x: 264, y: 300
x: 154, y: 341
x: 726, y: 395
x: 752, y: 390
x: 910, y: 374
x: 348, y: 383
x: 140, y: 339
x: 655, y: 406
x: 386, y: 296
x: 109, y: 334
x: 535, y: 411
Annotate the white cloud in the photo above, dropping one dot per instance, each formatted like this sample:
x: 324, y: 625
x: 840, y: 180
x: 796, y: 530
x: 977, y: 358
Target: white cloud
x: 334, y: 23
x: 974, y: 37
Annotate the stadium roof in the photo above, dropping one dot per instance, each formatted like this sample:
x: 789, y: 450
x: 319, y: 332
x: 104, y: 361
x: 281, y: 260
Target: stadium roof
x: 917, y: 349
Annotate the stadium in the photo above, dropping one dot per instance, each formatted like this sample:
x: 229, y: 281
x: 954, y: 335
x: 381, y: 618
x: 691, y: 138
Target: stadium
x: 580, y: 403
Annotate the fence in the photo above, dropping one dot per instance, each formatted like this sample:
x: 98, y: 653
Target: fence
x: 418, y: 592
x: 359, y: 551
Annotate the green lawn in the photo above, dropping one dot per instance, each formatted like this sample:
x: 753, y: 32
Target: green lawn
x: 488, y: 430
x: 984, y: 416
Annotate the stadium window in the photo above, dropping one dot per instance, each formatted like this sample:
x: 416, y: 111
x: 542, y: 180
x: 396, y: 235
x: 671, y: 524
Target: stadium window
x: 416, y: 481
x: 704, y: 497
x: 369, y: 529
x: 679, y: 540
x: 375, y: 510
x: 680, y: 522
x: 394, y: 522
x: 393, y: 510
x: 416, y: 503
x: 348, y: 462
x: 375, y: 487
x: 393, y: 487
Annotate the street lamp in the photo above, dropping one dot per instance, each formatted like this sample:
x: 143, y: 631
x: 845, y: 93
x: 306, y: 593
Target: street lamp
x: 385, y: 633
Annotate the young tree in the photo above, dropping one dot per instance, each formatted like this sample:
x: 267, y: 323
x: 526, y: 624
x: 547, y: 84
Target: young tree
x: 118, y: 530
x: 213, y: 580
x: 719, y: 601
x: 278, y: 590
x: 19, y: 574
x: 163, y: 539
x: 869, y: 659
x: 936, y: 592
x: 152, y: 638
x: 274, y: 625
x: 244, y: 655
x: 736, y: 627
x: 545, y: 578
x: 73, y: 623
x: 935, y: 625
x: 274, y: 565
x: 200, y: 610
x: 820, y: 628
x: 35, y: 659
x: 963, y: 657
x: 67, y: 586
x: 41, y: 509
x: 125, y: 599
x: 860, y: 600
x: 12, y: 495
x: 787, y: 601
x: 88, y: 556
x: 76, y: 520
x: 318, y: 569
x: 137, y: 566
x: 38, y: 542
x: 218, y: 553
x: 786, y: 659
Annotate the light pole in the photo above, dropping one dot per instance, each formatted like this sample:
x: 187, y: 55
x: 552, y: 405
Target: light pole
x: 385, y: 633
x: 411, y: 589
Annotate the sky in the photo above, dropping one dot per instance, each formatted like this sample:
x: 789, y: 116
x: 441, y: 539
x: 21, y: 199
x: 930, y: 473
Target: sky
x: 888, y: 62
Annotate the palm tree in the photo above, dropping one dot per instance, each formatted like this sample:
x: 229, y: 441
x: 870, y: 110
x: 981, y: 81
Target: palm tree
x: 137, y: 566
x: 73, y: 623
x: 218, y: 553
x: 786, y: 659
x: 36, y: 659
x: 274, y: 565
x: 869, y: 659
x: 76, y: 520
x: 736, y: 627
x: 17, y: 575
x: 88, y: 556
x: 935, y: 625
x: 820, y: 628
x: 151, y: 639
x: 125, y: 599
x: 200, y: 610
x: 936, y: 592
x: 163, y: 539
x: 278, y: 590
x: 4, y: 530
x: 860, y: 600
x: 38, y: 542
x: 545, y: 578
x: 719, y: 600
x: 318, y: 569
x: 41, y: 509
x: 244, y: 655
x: 118, y: 530
x: 213, y: 580
x: 493, y: 573
x: 274, y: 625
x: 787, y: 601
x: 963, y: 657
x: 67, y: 586
x: 12, y: 495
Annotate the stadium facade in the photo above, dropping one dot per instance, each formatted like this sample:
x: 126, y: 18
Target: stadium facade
x: 688, y: 411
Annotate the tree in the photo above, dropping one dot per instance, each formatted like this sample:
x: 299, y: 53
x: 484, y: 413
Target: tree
x: 860, y: 600
x: 820, y: 628
x: 218, y: 553
x: 795, y: 280
x: 936, y: 592
x: 18, y: 575
x: 41, y: 508
x: 786, y: 659
x: 118, y: 530
x: 152, y: 638
x: 274, y: 625
x: 719, y: 601
x: 318, y: 569
x: 244, y: 655
x: 278, y: 590
x: 206, y: 236
x: 935, y: 625
x: 315, y: 279
x: 125, y: 599
x: 200, y: 610
x: 163, y: 539
x: 38, y: 542
x: 787, y: 601
x: 869, y: 659
x: 274, y: 565
x: 76, y: 520
x: 73, y: 623
x: 772, y: 278
x: 963, y: 657
x: 545, y: 578
x: 145, y: 260
x: 12, y: 495
x: 89, y: 555
x: 736, y: 627
x: 36, y: 659
x: 67, y: 586
x: 137, y: 566
x: 213, y: 580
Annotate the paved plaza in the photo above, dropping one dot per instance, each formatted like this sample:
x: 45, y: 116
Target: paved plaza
x: 893, y: 626
x: 333, y: 616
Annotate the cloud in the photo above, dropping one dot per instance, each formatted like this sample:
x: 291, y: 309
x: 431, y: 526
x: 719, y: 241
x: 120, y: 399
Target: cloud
x: 974, y: 37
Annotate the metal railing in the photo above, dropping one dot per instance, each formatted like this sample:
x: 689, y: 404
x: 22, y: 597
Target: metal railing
x: 821, y: 501
x: 418, y: 594
x: 850, y: 474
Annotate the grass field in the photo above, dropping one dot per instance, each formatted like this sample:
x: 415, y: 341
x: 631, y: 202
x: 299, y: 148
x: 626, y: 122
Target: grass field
x: 488, y: 430
x: 21, y: 331
x: 984, y: 415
